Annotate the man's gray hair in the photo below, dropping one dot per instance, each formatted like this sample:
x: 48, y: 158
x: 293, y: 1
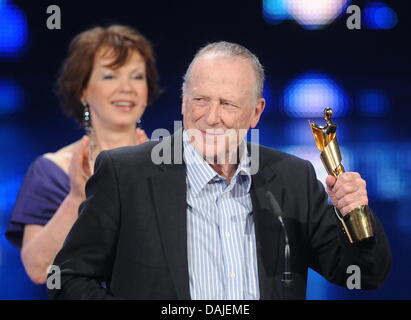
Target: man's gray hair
x: 229, y: 49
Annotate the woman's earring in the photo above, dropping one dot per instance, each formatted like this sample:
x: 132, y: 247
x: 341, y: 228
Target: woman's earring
x: 86, y: 116
x: 139, y: 124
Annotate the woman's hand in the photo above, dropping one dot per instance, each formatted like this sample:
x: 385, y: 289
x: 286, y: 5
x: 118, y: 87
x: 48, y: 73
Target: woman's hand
x: 79, y: 169
x: 141, y: 136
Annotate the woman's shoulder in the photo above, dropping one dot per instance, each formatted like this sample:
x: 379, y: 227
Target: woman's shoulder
x: 61, y: 157
x: 44, y: 188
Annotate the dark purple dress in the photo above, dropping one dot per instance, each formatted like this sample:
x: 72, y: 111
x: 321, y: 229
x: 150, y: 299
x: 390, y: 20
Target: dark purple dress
x: 45, y: 187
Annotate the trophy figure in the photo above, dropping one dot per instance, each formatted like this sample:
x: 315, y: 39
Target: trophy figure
x: 357, y: 223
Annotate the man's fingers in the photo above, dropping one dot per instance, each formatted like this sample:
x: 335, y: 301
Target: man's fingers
x: 350, y: 187
x: 347, y: 209
x: 347, y: 200
x: 350, y: 201
x: 346, y: 189
x: 348, y: 192
x: 346, y: 178
x: 330, y: 181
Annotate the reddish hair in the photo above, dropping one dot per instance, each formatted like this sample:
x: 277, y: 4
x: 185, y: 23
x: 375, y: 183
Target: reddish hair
x: 121, y: 42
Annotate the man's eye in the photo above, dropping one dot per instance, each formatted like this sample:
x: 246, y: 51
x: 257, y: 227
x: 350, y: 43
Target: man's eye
x: 230, y: 105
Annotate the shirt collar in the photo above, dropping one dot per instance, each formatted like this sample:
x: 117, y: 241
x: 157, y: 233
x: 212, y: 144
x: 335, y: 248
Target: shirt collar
x: 199, y: 172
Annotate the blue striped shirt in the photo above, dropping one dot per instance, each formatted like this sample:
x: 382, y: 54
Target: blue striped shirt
x: 221, y: 245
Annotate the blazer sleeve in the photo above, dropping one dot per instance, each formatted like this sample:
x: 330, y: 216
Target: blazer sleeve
x: 86, y: 258
x: 331, y: 252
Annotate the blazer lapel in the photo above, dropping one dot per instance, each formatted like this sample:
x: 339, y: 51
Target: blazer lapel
x: 169, y: 195
x: 268, y: 231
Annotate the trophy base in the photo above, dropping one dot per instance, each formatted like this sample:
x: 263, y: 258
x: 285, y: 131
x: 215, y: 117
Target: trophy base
x: 357, y: 224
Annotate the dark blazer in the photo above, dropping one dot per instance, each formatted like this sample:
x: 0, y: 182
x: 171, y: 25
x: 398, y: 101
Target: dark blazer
x: 130, y: 240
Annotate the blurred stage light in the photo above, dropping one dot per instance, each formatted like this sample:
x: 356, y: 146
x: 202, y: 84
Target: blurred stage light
x: 298, y: 132
x: 13, y: 30
x: 386, y: 167
x: 268, y: 96
x: 308, y: 95
x: 8, y: 193
x: 11, y: 98
x: 315, y: 14
x: 373, y: 103
x: 275, y: 11
x: 379, y: 16
x: 311, y: 154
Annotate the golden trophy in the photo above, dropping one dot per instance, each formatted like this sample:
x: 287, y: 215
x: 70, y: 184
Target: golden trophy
x: 357, y: 223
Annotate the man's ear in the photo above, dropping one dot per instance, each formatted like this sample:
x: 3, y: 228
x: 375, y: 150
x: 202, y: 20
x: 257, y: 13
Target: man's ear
x: 258, y: 110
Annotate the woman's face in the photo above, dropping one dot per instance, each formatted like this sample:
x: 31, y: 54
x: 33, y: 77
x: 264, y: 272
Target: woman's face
x: 117, y: 97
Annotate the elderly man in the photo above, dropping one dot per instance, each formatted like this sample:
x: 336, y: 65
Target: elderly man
x: 202, y: 228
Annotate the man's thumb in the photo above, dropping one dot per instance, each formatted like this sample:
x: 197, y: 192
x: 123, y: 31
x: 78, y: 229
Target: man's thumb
x: 330, y: 181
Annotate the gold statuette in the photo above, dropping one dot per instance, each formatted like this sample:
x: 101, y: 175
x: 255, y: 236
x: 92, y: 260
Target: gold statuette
x: 357, y: 223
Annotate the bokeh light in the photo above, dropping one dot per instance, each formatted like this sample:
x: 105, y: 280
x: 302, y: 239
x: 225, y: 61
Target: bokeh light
x: 11, y: 98
x: 268, y: 95
x: 379, y: 16
x: 315, y: 14
x: 308, y: 95
x: 387, y: 167
x: 298, y: 132
x: 13, y: 30
x: 373, y: 103
x: 311, y: 154
x: 275, y: 11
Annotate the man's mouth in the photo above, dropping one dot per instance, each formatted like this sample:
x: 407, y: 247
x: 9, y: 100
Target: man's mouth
x: 213, y: 132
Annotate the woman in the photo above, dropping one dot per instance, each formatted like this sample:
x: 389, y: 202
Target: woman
x: 106, y: 83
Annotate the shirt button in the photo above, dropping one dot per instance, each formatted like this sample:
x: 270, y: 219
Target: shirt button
x: 232, y: 275
x: 228, y: 234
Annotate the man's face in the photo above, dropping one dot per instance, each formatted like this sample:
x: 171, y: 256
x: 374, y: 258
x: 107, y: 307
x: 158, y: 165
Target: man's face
x: 220, y: 104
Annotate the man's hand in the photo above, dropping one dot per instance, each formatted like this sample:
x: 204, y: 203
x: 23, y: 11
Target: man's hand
x: 347, y: 192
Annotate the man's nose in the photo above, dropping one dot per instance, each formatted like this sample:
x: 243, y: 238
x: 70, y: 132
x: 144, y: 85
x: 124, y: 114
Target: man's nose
x: 213, y: 115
